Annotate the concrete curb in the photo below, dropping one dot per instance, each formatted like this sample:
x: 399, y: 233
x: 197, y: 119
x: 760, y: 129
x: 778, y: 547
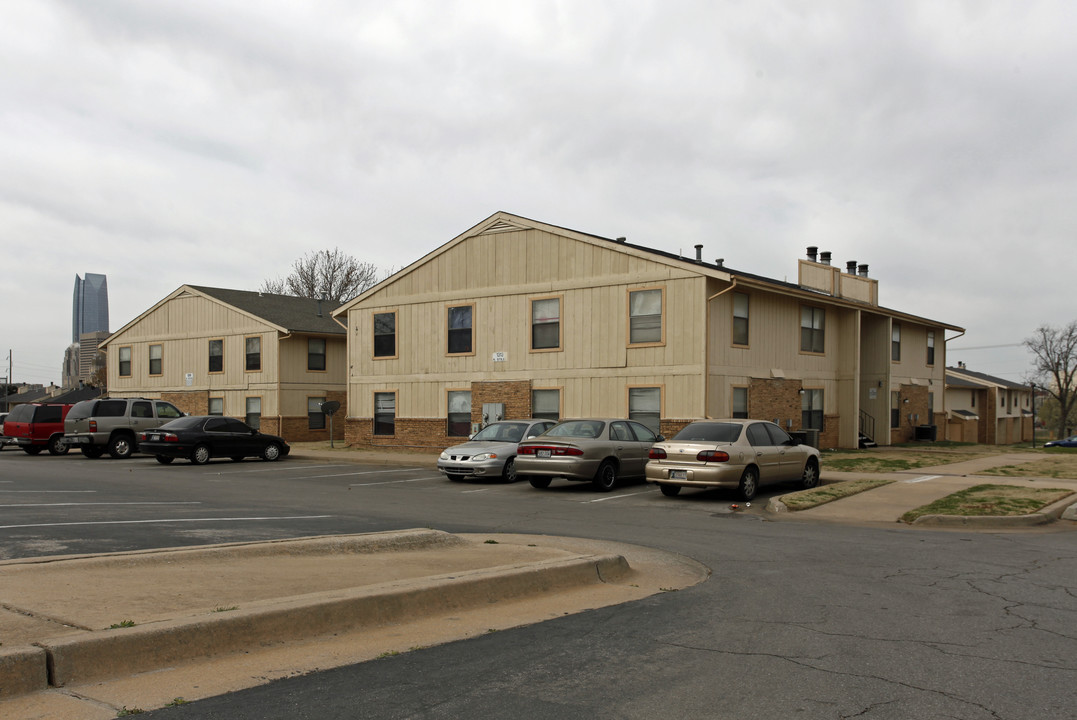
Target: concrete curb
x: 22, y: 670
x: 1044, y: 516
x: 93, y: 656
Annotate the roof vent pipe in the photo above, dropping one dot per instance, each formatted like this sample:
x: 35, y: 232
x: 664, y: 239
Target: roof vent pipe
x: 813, y: 252
x: 699, y: 253
x: 824, y: 257
x: 720, y: 262
x: 621, y: 239
x: 850, y: 267
x: 862, y: 270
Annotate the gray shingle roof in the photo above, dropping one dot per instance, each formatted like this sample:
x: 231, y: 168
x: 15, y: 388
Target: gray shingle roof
x: 295, y: 314
x: 991, y: 379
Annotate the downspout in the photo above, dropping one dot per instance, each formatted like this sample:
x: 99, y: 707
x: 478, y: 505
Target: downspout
x: 707, y: 346
x: 945, y: 350
x: 280, y: 417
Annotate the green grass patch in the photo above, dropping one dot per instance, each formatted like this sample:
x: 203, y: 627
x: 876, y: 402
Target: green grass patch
x: 823, y: 494
x: 990, y: 501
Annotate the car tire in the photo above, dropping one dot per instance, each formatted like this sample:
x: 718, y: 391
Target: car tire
x: 539, y: 482
x: 32, y: 450
x: 606, y: 477
x: 670, y: 490
x: 810, y: 478
x: 164, y: 459
x: 92, y: 451
x: 749, y: 483
x: 57, y: 446
x: 508, y: 473
x: 121, y: 447
x: 271, y: 452
x: 201, y: 454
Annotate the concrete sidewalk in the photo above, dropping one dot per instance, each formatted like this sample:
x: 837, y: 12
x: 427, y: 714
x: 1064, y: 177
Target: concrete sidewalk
x: 85, y: 637
x: 915, y: 488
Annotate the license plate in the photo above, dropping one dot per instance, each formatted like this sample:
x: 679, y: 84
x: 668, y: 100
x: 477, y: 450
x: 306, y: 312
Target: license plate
x: 155, y: 438
x: 543, y: 453
x: 678, y: 474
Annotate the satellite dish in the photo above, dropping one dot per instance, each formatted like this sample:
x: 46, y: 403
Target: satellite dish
x: 330, y: 407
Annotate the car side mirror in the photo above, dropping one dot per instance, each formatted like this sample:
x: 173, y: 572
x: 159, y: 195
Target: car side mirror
x: 661, y: 438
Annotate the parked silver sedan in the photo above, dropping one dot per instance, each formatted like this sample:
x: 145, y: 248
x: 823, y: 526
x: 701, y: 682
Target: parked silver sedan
x: 736, y: 454
x: 491, y: 452
x: 601, y: 451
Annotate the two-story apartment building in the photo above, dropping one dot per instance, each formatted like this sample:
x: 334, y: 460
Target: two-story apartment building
x: 520, y: 318
x: 268, y: 359
x: 986, y: 409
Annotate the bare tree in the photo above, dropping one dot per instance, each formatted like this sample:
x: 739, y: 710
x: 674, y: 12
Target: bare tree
x: 329, y: 275
x: 1055, y: 350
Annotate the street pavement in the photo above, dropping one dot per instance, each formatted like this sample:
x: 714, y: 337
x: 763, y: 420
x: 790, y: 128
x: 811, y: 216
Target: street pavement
x: 354, y: 594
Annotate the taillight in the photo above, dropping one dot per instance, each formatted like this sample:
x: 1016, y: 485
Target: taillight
x: 713, y: 456
x: 554, y: 451
x: 93, y: 426
x: 657, y: 454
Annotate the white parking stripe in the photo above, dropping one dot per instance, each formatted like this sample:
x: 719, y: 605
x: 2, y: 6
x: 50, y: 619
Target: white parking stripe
x: 74, y: 504
x: 616, y: 497
x: 394, y: 482
x: 270, y: 466
x: 165, y: 521
x: 922, y: 478
x: 49, y: 492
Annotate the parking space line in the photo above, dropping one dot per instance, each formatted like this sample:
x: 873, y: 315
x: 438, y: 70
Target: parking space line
x: 49, y: 492
x: 270, y: 466
x: 922, y: 478
x: 165, y: 521
x: 617, y: 497
x: 395, y: 482
x: 75, y: 504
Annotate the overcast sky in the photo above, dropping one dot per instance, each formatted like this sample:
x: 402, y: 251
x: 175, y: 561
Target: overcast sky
x: 214, y: 142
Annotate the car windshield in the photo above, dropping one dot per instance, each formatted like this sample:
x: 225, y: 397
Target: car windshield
x: 709, y: 432
x: 577, y: 428
x: 502, y: 432
x: 184, y: 423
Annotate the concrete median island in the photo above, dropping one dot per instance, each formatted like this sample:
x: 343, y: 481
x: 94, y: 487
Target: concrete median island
x: 96, y: 623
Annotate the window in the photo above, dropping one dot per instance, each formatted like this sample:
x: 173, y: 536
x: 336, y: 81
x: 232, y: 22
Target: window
x: 385, y: 413
x: 811, y: 409
x: 645, y: 316
x: 216, y: 406
x: 460, y: 329
x: 315, y: 416
x: 546, y: 324
x: 645, y: 406
x: 385, y: 334
x: 895, y: 342
x: 156, y: 360
x: 167, y: 410
x: 254, y: 354
x: 254, y: 412
x: 316, y: 354
x: 141, y: 410
x: 459, y: 420
x: 125, y: 361
x: 216, y: 356
x: 930, y: 347
x: 972, y: 393
x: 546, y: 404
x: 740, y: 319
x: 740, y: 402
x: 931, y: 408
x: 812, y: 330
x: 895, y: 409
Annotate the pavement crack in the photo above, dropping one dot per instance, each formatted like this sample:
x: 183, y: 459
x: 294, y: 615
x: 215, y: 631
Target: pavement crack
x: 44, y: 618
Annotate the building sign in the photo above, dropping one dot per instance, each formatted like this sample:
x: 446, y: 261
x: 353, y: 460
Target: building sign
x: 189, y: 379
x: 500, y: 356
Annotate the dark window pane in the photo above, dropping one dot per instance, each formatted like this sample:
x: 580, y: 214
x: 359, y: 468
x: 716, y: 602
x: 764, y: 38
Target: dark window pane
x: 460, y: 329
x: 216, y: 356
x: 385, y: 335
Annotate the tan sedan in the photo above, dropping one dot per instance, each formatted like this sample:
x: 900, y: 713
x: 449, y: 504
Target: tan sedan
x: 735, y: 454
x: 600, y: 450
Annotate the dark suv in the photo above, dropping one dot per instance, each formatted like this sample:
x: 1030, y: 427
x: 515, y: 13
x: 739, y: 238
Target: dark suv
x: 37, y: 426
x: 113, y: 424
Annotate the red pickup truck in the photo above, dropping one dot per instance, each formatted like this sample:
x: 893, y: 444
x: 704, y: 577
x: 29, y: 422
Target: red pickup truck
x: 37, y: 426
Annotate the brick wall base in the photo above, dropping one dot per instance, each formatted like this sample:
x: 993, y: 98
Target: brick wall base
x: 194, y: 402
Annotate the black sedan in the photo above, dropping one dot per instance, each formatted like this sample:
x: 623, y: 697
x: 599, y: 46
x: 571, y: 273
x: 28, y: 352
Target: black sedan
x: 1070, y: 442
x: 201, y: 437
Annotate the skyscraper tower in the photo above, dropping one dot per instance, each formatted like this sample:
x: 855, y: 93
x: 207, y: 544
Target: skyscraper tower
x: 90, y: 306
